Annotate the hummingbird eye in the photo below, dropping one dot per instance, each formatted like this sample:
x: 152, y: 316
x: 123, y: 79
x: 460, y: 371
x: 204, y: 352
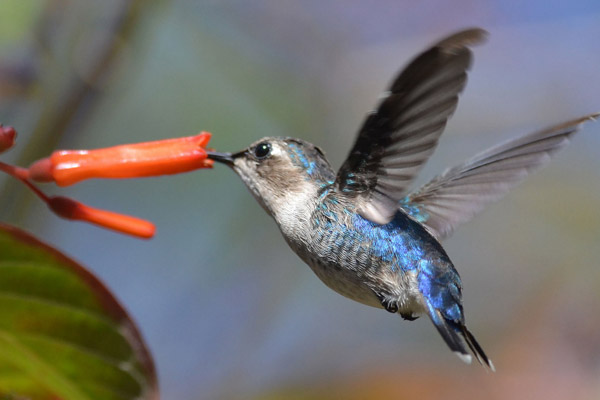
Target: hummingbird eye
x: 262, y: 150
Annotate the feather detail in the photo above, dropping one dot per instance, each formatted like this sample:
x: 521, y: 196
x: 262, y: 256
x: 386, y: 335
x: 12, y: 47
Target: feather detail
x: 398, y: 138
x: 461, y: 192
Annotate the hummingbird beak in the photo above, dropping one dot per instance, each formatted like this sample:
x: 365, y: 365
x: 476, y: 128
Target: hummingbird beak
x: 225, y: 158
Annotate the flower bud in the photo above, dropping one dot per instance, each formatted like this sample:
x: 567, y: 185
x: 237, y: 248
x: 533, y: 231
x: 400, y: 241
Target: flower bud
x: 74, y: 210
x: 7, y: 137
x: 162, y: 157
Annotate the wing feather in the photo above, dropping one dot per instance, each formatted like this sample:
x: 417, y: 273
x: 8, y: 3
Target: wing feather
x: 398, y: 138
x: 459, y: 193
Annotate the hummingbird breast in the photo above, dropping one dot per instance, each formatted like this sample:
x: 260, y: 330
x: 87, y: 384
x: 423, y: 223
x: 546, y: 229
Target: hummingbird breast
x: 365, y: 261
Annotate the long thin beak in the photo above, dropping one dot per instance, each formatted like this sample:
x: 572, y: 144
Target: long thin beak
x: 225, y: 158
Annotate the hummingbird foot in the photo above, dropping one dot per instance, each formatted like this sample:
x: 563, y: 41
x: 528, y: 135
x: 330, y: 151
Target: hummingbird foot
x: 408, y: 316
x: 390, y: 305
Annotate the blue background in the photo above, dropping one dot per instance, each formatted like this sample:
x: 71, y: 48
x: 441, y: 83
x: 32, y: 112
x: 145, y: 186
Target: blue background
x: 227, y: 309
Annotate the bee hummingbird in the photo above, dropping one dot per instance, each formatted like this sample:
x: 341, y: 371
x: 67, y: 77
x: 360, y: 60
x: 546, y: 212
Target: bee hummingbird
x: 361, y: 232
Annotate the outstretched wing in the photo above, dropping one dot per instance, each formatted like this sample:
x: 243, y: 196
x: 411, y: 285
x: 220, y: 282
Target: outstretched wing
x: 397, y: 138
x: 460, y: 192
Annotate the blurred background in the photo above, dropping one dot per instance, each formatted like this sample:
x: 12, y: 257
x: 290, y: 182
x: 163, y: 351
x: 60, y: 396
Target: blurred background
x: 229, y: 312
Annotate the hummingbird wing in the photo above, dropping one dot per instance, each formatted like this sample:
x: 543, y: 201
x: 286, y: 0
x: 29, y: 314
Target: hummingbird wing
x: 460, y: 192
x: 397, y: 138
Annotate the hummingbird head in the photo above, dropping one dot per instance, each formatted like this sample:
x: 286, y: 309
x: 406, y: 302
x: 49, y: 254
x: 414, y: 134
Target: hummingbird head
x: 280, y: 172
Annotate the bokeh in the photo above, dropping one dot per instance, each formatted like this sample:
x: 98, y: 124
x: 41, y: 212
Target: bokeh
x: 228, y: 310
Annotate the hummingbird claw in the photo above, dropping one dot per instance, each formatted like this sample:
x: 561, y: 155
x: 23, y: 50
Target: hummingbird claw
x: 408, y: 316
x: 389, y: 305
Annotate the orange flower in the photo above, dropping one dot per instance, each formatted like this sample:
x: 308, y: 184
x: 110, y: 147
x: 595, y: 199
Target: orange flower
x: 162, y: 157
x: 66, y: 167
x: 71, y: 209
x: 74, y: 210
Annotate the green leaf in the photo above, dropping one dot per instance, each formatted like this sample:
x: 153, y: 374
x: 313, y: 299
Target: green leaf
x: 62, y: 333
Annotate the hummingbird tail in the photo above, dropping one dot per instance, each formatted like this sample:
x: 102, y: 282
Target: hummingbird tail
x: 476, y: 348
x: 456, y: 335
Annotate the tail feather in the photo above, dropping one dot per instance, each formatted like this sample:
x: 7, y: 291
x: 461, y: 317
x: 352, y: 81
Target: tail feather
x: 476, y: 348
x: 450, y: 336
x: 455, y: 335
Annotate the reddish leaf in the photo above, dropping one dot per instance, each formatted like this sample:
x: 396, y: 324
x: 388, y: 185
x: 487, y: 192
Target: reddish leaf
x: 62, y: 333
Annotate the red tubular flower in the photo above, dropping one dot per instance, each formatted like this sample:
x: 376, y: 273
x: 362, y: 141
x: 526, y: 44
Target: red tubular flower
x: 71, y: 209
x: 7, y: 137
x: 65, y: 167
x: 162, y: 157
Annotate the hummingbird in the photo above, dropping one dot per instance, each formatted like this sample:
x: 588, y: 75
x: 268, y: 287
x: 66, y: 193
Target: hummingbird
x: 361, y: 230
